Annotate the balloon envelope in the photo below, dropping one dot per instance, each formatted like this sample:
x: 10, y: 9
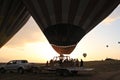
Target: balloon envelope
x: 65, y: 22
x: 13, y: 15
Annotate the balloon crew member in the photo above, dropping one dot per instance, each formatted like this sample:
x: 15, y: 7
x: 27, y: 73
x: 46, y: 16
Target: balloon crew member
x: 81, y: 63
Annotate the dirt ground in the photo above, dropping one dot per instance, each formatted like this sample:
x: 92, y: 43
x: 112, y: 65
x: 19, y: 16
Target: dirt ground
x: 104, y: 70
x: 114, y: 75
x: 28, y: 76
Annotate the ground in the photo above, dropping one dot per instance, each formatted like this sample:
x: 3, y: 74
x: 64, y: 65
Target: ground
x: 104, y: 70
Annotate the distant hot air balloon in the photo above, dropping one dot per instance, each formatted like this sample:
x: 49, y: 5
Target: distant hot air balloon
x: 65, y: 22
x: 84, y: 54
x: 107, y: 46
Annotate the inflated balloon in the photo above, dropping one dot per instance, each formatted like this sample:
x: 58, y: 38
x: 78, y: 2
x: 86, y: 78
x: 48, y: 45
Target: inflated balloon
x: 13, y: 15
x: 65, y: 22
x: 84, y: 54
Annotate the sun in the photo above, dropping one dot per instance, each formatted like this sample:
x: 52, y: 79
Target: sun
x: 41, y: 50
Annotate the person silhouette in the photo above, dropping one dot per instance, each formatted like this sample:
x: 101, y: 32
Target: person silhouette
x: 81, y: 63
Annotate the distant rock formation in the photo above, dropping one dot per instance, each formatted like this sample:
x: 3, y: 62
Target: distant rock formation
x: 110, y: 59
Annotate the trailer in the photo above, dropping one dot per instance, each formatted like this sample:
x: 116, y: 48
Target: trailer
x: 64, y: 66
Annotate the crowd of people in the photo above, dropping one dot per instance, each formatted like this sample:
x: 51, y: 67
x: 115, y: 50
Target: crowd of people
x: 65, y: 61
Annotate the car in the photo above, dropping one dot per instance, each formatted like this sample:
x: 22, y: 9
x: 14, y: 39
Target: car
x: 16, y: 65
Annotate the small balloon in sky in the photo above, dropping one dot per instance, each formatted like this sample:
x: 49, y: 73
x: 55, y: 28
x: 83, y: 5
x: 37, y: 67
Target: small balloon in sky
x: 118, y: 42
x: 84, y: 54
x: 107, y: 46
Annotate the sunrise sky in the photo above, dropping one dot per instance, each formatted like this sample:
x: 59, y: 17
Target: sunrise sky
x: 30, y: 43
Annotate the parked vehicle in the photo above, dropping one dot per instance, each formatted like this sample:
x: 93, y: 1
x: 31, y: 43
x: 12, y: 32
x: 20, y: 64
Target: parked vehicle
x: 19, y: 66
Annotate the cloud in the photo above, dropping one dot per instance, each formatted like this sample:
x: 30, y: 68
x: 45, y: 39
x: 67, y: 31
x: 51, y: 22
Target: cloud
x: 109, y: 20
x: 113, y: 16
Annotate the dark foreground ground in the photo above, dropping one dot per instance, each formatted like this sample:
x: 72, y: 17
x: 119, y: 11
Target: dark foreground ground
x: 104, y: 70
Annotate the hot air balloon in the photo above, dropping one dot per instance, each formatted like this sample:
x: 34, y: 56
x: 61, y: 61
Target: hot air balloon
x: 65, y: 22
x: 118, y: 42
x: 13, y: 15
x: 84, y: 54
x: 107, y: 46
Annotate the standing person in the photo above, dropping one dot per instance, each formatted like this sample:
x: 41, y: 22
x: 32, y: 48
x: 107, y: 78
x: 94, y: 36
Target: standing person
x: 77, y: 63
x: 47, y: 63
x: 51, y: 62
x: 81, y: 63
